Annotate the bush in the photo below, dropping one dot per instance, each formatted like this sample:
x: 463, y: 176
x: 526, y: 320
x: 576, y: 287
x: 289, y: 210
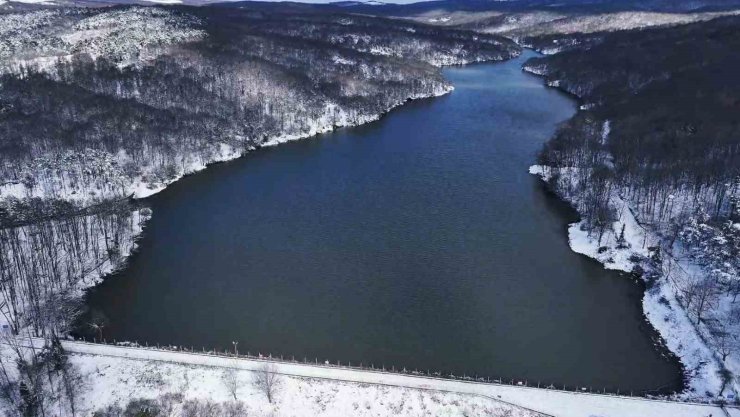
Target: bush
x: 142, y: 407
x: 110, y: 411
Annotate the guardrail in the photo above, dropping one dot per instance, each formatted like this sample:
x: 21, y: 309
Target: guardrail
x: 428, y: 374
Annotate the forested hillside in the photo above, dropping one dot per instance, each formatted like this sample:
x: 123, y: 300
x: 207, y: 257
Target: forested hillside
x: 551, y: 26
x: 101, y: 104
x: 148, y: 94
x: 671, y: 99
x: 658, y: 139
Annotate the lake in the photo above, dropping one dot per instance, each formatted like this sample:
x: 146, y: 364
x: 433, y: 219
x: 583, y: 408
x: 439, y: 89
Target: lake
x: 417, y: 241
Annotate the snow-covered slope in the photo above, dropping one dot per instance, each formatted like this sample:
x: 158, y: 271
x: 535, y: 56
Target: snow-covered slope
x: 38, y: 39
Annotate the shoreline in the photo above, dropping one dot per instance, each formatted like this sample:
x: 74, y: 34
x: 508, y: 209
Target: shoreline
x: 138, y: 192
x: 661, y: 309
x: 673, y: 326
x: 93, y: 280
x: 702, y: 366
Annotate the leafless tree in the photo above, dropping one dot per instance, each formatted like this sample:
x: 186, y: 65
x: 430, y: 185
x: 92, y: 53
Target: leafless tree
x: 8, y: 384
x: 98, y: 321
x: 725, y: 341
x: 699, y: 296
x: 705, y: 297
x: 267, y: 380
x: 230, y: 378
x: 72, y: 383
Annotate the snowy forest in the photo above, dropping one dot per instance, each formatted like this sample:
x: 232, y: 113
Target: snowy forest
x: 658, y: 140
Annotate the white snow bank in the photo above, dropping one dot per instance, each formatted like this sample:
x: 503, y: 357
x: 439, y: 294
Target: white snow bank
x: 659, y: 303
x: 118, y: 373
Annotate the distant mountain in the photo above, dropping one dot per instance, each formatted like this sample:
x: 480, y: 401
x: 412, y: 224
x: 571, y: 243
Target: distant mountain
x: 379, y: 7
x: 359, y: 3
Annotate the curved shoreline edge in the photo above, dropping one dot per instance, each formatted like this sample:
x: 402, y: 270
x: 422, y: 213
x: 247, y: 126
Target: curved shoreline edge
x: 702, y: 366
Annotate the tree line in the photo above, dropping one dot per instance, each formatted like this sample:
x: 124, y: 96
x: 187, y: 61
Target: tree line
x: 659, y: 130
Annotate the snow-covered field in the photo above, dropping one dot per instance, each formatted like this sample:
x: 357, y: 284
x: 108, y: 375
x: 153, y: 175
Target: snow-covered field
x: 118, y: 374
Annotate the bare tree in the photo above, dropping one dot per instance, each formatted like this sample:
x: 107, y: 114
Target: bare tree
x: 725, y: 341
x: 98, y: 321
x: 267, y: 380
x: 699, y: 296
x: 706, y: 297
x: 231, y: 381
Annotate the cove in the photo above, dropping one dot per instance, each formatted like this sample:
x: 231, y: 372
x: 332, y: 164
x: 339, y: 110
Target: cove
x: 418, y: 241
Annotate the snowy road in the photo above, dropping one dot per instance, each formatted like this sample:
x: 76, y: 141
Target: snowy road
x: 552, y: 402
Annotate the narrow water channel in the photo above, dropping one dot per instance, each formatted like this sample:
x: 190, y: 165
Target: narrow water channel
x: 418, y: 241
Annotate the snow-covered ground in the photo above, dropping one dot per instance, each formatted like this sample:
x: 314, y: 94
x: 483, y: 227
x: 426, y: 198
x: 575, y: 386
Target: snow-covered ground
x: 83, y: 254
x: 118, y: 374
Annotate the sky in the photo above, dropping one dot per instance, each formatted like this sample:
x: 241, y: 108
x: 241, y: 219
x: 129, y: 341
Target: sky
x: 364, y: 1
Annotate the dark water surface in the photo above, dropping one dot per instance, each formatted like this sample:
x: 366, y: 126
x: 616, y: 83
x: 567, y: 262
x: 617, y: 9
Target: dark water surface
x: 417, y: 241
